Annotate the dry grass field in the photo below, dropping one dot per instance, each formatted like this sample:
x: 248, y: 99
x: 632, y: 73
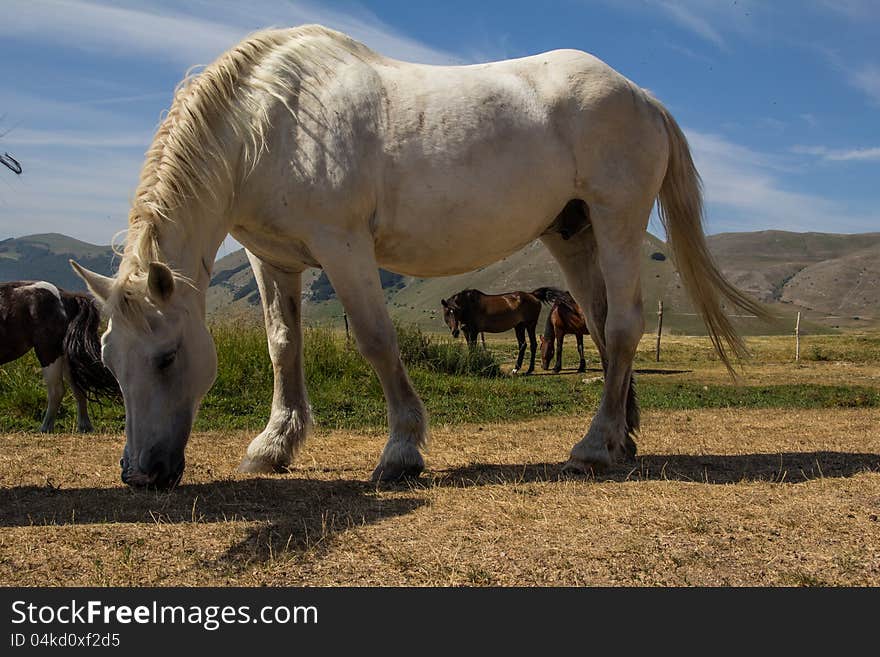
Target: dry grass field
x: 772, y: 481
x: 717, y: 497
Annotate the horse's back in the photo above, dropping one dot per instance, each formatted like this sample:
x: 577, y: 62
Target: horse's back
x: 31, y: 316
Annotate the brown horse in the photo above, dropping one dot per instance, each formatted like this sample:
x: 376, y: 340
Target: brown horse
x: 472, y: 312
x: 62, y: 328
x: 565, y: 317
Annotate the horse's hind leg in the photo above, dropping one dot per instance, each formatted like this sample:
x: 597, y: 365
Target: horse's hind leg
x: 604, y: 277
x: 53, y: 376
x: 520, y: 331
x: 83, y: 422
x: 559, y: 340
x: 356, y: 280
x: 290, y: 417
x: 582, y: 367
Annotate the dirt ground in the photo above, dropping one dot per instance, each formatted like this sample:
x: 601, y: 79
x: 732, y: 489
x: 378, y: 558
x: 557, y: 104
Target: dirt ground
x: 717, y: 497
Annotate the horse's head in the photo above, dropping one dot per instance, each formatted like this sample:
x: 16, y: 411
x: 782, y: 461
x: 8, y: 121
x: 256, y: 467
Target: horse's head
x: 452, y: 314
x: 547, y: 350
x: 161, y: 353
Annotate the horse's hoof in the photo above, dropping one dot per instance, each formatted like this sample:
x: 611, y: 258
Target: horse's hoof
x: 630, y: 448
x: 581, y: 370
x: 557, y: 370
x: 390, y: 473
x: 250, y: 465
x: 578, y: 467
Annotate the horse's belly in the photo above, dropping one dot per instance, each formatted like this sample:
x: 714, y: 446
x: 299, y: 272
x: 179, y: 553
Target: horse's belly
x: 446, y: 244
x: 457, y: 216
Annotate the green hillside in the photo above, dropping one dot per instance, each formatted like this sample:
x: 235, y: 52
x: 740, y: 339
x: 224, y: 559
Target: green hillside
x: 45, y: 257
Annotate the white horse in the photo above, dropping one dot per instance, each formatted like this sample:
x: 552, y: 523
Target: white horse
x: 312, y: 150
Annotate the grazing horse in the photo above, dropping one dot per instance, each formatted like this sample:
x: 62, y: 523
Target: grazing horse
x: 314, y: 151
x: 62, y: 329
x: 473, y: 313
x: 565, y: 317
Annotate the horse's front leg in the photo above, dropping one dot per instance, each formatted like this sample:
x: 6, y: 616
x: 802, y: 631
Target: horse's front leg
x: 353, y: 271
x: 290, y: 418
x: 533, y: 345
x: 559, y: 340
x: 521, y: 341
x: 582, y: 367
x: 53, y: 376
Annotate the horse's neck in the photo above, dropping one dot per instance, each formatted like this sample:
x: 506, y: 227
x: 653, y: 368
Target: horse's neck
x: 189, y: 245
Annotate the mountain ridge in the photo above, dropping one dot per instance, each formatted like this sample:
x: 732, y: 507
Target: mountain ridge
x: 833, y: 279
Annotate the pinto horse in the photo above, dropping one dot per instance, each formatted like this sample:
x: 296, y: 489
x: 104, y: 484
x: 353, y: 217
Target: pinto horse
x: 473, y: 312
x: 62, y: 329
x: 565, y: 317
x: 314, y: 151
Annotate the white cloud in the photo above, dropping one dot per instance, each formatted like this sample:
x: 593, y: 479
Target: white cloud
x: 689, y: 18
x: 867, y: 80
x: 839, y: 155
x: 856, y: 10
x: 82, y: 158
x: 743, y: 191
x: 194, y: 33
x: 86, y: 197
x: 810, y: 119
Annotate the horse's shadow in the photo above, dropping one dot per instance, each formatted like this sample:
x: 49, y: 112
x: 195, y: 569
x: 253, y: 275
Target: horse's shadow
x: 297, y: 515
x: 790, y: 467
x: 291, y: 515
x: 598, y: 370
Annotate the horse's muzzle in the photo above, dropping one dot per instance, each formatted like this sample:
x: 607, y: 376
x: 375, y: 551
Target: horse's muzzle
x: 161, y: 473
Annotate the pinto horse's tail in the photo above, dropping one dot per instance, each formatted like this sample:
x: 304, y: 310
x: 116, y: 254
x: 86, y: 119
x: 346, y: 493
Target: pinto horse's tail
x: 681, y: 212
x: 82, y: 346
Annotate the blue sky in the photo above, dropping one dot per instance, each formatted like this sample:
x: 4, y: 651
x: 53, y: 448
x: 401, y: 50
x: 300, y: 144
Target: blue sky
x: 780, y: 100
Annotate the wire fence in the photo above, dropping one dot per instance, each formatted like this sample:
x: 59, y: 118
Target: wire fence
x: 797, y: 326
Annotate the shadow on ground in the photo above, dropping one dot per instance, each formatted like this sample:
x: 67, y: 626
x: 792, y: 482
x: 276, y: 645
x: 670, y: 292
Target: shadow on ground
x: 790, y: 467
x: 290, y: 515
x: 598, y: 370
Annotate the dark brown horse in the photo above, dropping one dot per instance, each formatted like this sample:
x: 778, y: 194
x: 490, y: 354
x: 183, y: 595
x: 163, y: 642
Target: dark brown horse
x: 62, y: 328
x: 565, y: 317
x: 472, y: 312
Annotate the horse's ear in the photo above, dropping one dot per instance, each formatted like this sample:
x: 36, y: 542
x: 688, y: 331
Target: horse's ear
x: 160, y: 282
x: 98, y: 285
x: 444, y: 303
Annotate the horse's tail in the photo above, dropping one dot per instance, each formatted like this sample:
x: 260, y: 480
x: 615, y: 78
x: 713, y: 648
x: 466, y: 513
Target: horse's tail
x: 681, y: 212
x: 553, y: 295
x: 82, y: 346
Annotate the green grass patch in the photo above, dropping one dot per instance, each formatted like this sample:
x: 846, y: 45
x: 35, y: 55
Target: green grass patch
x: 458, y: 385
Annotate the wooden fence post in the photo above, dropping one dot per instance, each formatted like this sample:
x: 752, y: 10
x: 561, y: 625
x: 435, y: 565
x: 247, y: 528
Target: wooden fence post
x: 797, y: 338
x: 659, y: 327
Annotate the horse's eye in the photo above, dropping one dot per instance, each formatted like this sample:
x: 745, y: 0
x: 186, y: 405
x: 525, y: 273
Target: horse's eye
x: 165, y: 360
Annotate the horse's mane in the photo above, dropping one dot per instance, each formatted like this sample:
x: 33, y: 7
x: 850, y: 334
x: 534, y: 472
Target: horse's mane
x: 224, y: 108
